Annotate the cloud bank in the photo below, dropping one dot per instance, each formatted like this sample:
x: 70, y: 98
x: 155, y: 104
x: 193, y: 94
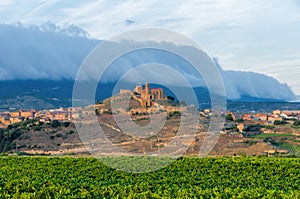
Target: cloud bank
x: 50, y: 52
x: 34, y: 53
x: 257, y: 35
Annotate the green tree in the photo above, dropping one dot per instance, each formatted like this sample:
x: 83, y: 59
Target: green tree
x: 66, y: 124
x: 278, y: 122
x: 229, y: 117
x: 55, y: 123
x: 239, y: 120
x: 171, y: 98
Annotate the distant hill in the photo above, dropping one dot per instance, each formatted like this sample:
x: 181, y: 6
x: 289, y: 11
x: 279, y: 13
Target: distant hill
x: 44, y: 94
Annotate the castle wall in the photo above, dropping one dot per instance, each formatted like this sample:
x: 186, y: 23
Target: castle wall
x: 148, y: 95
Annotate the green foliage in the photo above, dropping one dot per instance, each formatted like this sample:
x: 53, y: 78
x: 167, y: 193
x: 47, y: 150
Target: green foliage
x: 239, y: 120
x: 21, y: 153
x: 7, y: 138
x: 235, y: 129
x: 174, y: 114
x: 29, y: 177
x: 66, y: 124
x: 250, y: 142
x: 264, y: 135
x: 55, y: 123
x: 296, y: 123
x: 278, y: 122
x: 59, y: 135
x: 70, y: 132
x: 37, y: 128
x: 269, y: 126
x: 229, y: 117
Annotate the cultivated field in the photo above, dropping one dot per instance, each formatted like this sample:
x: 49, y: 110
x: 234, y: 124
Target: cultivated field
x: 65, y: 177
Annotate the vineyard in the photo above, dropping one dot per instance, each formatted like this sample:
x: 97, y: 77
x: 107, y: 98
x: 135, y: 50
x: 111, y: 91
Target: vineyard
x: 66, y: 177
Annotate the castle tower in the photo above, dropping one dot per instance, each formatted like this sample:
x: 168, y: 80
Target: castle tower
x: 147, y: 95
x: 147, y: 88
x: 162, y: 94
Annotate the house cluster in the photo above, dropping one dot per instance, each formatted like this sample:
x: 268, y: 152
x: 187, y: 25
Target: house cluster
x: 269, y: 118
x: 260, y: 118
x: 61, y: 114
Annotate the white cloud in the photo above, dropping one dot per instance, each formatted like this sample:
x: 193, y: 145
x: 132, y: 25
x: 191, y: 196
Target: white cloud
x: 53, y: 55
x: 243, y: 34
x: 6, y: 2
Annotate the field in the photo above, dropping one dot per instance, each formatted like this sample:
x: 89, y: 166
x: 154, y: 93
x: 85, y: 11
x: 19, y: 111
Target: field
x: 68, y: 177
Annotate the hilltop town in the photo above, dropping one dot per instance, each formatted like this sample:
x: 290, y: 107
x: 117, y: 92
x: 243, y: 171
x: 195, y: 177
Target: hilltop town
x: 144, y: 100
x: 249, y: 133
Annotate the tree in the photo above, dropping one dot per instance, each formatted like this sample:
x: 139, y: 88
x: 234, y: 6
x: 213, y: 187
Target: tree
x: 171, y: 98
x: 66, y: 124
x: 239, y: 120
x: 278, y: 122
x: 229, y: 117
x: 55, y: 123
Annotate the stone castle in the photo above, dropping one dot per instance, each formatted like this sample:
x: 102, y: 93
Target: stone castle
x: 146, y: 96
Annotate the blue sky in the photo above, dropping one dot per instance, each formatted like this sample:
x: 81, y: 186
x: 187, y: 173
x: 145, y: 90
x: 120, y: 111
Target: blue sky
x: 249, y: 35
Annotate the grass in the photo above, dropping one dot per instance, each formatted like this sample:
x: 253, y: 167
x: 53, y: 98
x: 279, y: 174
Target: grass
x: 294, y: 149
x: 263, y: 136
x: 296, y: 127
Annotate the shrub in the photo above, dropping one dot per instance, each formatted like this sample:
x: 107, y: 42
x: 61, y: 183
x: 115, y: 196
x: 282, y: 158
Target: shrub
x: 37, y: 128
x: 250, y: 142
x: 278, y: 122
x: 55, y: 123
x: 296, y: 123
x: 66, y: 124
x: 174, y: 114
x: 59, y: 135
x: 70, y: 132
x: 269, y: 127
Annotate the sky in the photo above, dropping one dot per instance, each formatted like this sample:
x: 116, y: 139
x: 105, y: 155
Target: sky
x: 249, y: 35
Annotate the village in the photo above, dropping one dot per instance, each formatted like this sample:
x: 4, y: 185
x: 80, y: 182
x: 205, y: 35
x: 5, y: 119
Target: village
x: 146, y: 100
x: 13, y: 117
x: 277, y: 117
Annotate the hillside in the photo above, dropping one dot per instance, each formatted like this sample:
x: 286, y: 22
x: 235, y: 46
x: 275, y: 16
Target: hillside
x: 62, y: 138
